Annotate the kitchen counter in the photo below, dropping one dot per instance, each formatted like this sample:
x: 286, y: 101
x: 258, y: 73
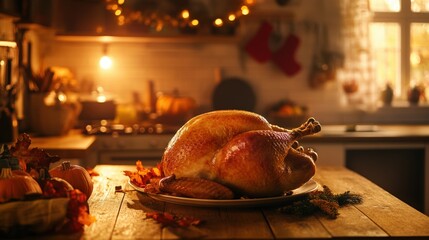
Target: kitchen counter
x: 79, y: 146
x: 75, y: 144
x: 371, y: 133
x: 122, y: 215
x: 72, y: 145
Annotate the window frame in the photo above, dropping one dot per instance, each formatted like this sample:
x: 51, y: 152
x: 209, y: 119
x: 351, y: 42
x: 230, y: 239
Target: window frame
x: 404, y: 18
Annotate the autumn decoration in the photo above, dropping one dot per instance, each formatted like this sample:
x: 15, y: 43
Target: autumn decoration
x: 47, y: 203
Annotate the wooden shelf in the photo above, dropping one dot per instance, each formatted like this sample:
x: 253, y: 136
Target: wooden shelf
x: 149, y: 39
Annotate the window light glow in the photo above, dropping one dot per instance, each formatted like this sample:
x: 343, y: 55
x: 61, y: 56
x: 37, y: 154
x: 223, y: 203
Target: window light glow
x: 385, y: 5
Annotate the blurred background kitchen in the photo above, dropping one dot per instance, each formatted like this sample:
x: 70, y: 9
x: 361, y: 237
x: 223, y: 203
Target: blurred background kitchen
x: 127, y: 73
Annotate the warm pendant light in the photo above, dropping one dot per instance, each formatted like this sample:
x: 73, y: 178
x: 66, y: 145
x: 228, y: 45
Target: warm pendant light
x: 105, y: 61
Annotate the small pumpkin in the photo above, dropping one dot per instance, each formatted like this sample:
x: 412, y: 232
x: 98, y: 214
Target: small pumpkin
x: 53, y: 187
x: 76, y: 175
x: 174, y: 105
x: 16, y: 185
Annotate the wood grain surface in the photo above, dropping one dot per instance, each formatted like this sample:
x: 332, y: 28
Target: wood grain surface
x: 122, y: 215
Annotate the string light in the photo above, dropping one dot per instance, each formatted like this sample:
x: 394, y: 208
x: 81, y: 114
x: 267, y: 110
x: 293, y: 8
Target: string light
x: 195, y: 22
x: 185, y: 14
x: 157, y: 19
x: 231, y: 17
x: 218, y: 22
x: 245, y: 10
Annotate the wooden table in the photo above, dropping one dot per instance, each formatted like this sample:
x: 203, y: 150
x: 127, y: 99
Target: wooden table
x: 122, y: 215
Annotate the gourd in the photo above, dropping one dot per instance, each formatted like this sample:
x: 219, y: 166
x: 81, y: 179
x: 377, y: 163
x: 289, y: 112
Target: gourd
x: 174, y: 105
x: 15, y: 185
x: 76, y: 175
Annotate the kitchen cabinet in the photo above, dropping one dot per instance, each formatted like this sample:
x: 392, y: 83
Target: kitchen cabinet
x: 399, y: 169
x: 330, y: 154
x: 402, y: 169
x: 394, y: 157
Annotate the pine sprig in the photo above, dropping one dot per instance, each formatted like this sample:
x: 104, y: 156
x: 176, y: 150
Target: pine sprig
x: 348, y: 198
x: 322, y: 201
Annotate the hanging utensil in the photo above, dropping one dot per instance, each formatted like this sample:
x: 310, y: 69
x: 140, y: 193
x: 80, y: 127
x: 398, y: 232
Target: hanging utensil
x: 318, y: 72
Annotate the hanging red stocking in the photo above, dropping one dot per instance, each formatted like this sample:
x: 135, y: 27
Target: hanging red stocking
x: 284, y: 57
x: 258, y: 46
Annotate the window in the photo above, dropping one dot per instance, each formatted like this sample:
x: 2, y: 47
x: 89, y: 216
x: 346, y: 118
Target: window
x: 399, y: 34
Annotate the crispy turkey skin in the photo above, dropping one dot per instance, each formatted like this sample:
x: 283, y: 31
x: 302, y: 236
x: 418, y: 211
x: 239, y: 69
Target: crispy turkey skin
x: 242, y: 151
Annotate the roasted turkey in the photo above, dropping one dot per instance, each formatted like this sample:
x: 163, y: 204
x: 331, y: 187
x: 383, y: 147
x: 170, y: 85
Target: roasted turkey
x: 233, y: 153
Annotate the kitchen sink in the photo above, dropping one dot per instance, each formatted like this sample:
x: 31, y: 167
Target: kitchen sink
x: 362, y: 128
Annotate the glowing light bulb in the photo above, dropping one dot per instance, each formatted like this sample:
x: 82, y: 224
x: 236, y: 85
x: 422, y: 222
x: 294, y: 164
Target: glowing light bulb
x: 195, y: 22
x: 231, y: 17
x: 118, y: 12
x: 105, y: 62
x: 185, y: 14
x: 245, y: 10
x: 218, y: 22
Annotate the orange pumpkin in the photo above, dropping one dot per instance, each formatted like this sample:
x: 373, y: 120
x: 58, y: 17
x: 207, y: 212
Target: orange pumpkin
x: 53, y: 186
x: 16, y: 185
x: 174, y: 105
x: 76, y: 175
